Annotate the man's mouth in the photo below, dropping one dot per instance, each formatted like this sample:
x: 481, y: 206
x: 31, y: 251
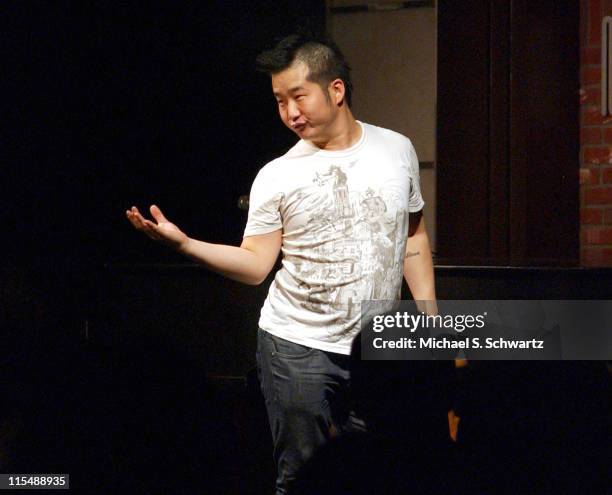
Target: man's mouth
x: 298, y: 127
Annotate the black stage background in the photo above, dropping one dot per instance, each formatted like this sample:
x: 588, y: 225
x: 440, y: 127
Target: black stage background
x: 110, y: 104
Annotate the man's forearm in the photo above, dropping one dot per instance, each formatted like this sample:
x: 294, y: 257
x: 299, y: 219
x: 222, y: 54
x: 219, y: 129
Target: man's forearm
x: 234, y: 262
x: 250, y: 263
x: 418, y: 270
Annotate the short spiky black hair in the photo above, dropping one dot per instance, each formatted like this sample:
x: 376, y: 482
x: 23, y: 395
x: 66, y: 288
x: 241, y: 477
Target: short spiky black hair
x: 321, y: 55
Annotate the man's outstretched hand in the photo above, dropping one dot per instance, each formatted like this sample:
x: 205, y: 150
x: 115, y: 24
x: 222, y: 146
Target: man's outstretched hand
x: 163, y: 231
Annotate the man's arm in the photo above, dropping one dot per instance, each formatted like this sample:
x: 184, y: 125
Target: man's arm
x: 418, y: 264
x: 419, y: 275
x: 250, y: 263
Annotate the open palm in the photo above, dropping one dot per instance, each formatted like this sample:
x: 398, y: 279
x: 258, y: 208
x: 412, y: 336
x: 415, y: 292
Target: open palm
x: 161, y: 230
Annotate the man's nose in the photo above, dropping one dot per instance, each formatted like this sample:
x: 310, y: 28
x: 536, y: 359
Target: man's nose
x: 293, y: 112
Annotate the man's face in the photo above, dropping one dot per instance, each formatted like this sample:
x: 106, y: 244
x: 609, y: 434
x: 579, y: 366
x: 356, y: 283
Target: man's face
x: 303, y: 105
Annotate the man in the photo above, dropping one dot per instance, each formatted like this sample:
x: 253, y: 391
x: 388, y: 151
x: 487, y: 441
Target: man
x: 340, y: 205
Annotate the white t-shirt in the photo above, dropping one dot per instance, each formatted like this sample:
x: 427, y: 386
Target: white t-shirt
x: 344, y: 216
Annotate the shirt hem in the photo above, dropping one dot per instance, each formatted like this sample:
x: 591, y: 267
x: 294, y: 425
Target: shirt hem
x: 315, y: 344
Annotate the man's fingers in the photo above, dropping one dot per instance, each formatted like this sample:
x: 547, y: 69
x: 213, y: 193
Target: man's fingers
x: 135, y: 211
x: 131, y: 216
x: 141, y: 223
x: 135, y: 218
x: 157, y: 214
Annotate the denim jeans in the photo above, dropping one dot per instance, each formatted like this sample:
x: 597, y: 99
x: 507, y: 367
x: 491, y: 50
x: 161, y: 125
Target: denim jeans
x: 307, y: 397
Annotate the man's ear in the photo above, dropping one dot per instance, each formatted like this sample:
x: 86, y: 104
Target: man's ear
x: 337, y: 91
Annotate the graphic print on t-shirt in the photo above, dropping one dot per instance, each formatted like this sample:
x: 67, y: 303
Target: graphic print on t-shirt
x: 344, y: 219
x: 357, y: 231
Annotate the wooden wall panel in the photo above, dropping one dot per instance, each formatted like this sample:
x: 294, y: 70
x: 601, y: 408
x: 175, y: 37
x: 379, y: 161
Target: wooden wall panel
x: 507, y: 136
x: 462, y: 128
x: 544, y: 131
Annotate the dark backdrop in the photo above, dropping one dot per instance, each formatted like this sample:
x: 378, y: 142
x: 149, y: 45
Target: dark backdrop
x: 107, y: 105
x: 113, y: 104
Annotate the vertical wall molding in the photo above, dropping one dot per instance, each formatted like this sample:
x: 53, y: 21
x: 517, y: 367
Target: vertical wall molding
x: 606, y: 63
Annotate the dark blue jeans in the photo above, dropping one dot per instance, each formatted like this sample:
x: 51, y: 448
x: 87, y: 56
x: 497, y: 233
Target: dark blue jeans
x: 307, y: 397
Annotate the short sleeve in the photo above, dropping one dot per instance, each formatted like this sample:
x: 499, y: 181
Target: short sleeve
x: 264, y: 205
x: 415, y: 199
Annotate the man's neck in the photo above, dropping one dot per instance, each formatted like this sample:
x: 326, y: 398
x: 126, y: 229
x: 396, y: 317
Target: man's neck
x: 345, y: 132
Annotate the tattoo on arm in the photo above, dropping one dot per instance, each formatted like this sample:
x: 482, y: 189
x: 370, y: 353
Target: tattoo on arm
x: 410, y: 255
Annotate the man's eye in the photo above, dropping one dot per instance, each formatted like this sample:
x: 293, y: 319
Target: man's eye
x: 300, y: 97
